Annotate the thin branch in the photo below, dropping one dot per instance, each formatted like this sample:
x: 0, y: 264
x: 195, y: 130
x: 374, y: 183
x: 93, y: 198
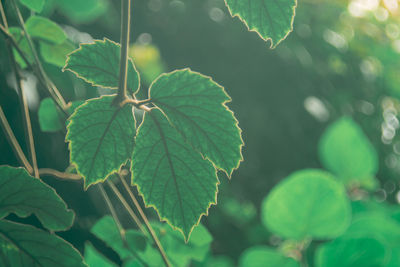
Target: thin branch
x: 25, y: 113
x: 54, y: 93
x: 121, y: 230
x: 125, y: 31
x: 13, y: 142
x: 136, y: 103
x: 3, y: 16
x: 126, y: 206
x: 60, y: 175
x: 146, y: 221
x: 14, y: 43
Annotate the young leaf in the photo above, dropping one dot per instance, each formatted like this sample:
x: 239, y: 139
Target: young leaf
x: 171, y: 176
x: 98, y: 63
x: 49, y: 119
x: 180, y: 253
x: 93, y: 258
x: 106, y: 230
x: 79, y: 11
x: 308, y: 203
x: 35, y: 5
x: 364, y: 251
x: 56, y: 54
x: 101, y: 138
x: 263, y: 256
x: 45, y: 29
x: 346, y: 151
x: 23, y: 44
x: 272, y: 20
x: 195, y: 105
x: 23, y: 245
x: 23, y: 195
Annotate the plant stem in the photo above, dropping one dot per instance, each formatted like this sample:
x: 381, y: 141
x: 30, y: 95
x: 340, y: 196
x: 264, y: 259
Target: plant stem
x: 146, y: 221
x: 121, y: 230
x: 3, y: 16
x: 13, y: 142
x: 126, y: 206
x: 123, y: 67
x: 9, y: 37
x: 25, y: 113
x: 54, y: 93
x: 58, y: 174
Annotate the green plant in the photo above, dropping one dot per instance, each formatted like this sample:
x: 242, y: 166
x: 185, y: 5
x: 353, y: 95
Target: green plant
x: 187, y: 133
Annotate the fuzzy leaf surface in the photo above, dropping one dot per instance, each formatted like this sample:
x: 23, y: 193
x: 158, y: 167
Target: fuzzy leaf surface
x: 171, y: 176
x: 45, y: 29
x: 271, y: 19
x: 101, y: 138
x: 23, y: 245
x: 264, y: 256
x: 307, y: 204
x: 195, y: 105
x: 98, y: 63
x: 35, y: 5
x: 345, y: 150
x: 56, y: 54
x: 94, y: 258
x: 23, y: 195
x: 362, y: 251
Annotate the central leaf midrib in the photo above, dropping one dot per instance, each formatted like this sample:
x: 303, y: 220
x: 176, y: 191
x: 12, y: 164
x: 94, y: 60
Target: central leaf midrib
x: 162, y: 136
x: 101, y: 140
x: 12, y: 241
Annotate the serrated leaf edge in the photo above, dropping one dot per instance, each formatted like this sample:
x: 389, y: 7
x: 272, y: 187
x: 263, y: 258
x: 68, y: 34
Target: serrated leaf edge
x: 164, y: 219
x: 91, y: 82
x: 229, y: 174
x: 70, y: 121
x: 272, y: 46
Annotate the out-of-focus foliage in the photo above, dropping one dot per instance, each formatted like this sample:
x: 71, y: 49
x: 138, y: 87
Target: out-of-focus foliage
x: 342, y: 59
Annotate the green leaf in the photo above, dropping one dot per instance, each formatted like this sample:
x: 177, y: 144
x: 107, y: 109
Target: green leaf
x: 308, y: 203
x: 98, y: 63
x: 80, y: 11
x: 106, y: 230
x: 23, y: 44
x: 93, y: 258
x: 23, y: 245
x: 45, y: 29
x: 49, y: 117
x: 365, y: 252
x: 23, y: 195
x: 35, y: 5
x: 56, y: 54
x: 346, y: 151
x: 101, y: 138
x: 171, y: 176
x: 376, y: 224
x: 263, y: 256
x: 179, y: 252
x: 195, y: 105
x: 272, y: 20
